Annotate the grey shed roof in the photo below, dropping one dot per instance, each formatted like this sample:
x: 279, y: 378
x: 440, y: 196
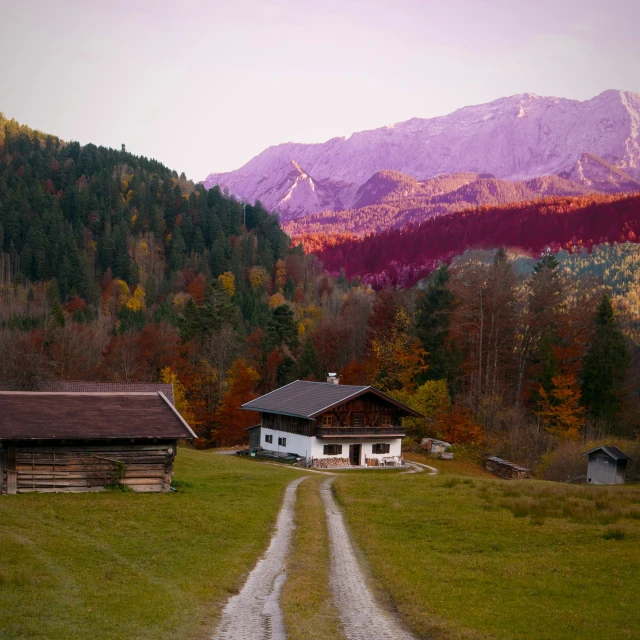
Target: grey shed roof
x: 614, y: 452
x: 304, y: 399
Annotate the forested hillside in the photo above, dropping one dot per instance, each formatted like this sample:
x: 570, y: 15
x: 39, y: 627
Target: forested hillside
x: 400, y: 257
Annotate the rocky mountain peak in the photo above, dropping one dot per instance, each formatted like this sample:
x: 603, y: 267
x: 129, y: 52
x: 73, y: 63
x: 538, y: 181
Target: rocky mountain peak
x: 515, y: 138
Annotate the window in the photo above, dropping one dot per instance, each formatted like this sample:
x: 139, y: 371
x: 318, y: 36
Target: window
x: 282, y: 442
x: 268, y: 438
x: 385, y: 419
x: 381, y: 447
x: 332, y: 449
x: 327, y: 421
x: 357, y: 420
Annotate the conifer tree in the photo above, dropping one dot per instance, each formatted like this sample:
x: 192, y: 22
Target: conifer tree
x: 605, y: 366
x: 432, y: 327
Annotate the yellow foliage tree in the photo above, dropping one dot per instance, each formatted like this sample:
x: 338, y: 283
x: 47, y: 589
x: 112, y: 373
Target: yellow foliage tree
x: 258, y: 277
x: 228, y: 281
x: 276, y: 300
x: 560, y: 410
x: 281, y: 273
x: 400, y: 358
x: 179, y: 395
x: 136, y: 301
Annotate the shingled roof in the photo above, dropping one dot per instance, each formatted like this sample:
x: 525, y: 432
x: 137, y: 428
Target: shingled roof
x: 90, y: 386
x: 304, y: 399
x: 38, y: 415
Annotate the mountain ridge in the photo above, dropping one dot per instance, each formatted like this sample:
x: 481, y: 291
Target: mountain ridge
x: 390, y: 200
x: 513, y: 138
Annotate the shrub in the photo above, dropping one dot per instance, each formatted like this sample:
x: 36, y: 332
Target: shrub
x: 614, y: 533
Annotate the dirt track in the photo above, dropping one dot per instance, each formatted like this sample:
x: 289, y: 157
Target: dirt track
x: 361, y: 616
x: 254, y: 614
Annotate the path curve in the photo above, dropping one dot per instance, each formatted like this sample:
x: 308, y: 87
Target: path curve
x: 362, y: 617
x: 255, y: 614
x: 432, y: 470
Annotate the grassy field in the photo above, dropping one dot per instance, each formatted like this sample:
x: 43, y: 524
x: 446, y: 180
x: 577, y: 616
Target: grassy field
x: 309, y: 612
x: 468, y: 557
x: 122, y: 565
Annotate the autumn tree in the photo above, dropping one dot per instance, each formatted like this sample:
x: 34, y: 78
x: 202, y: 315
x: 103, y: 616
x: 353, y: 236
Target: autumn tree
x: 229, y: 419
x: 400, y: 357
x: 560, y: 410
x: 167, y: 376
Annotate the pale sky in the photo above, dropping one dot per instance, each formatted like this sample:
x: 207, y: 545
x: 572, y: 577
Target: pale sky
x: 204, y: 86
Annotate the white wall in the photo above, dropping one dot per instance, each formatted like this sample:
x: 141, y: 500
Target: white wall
x: 295, y: 443
x: 395, y: 447
x: 312, y: 447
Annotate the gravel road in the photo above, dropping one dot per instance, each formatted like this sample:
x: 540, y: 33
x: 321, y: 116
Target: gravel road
x: 255, y: 614
x: 361, y: 616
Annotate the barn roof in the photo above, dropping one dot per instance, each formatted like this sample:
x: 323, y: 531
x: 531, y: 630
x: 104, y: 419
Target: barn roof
x: 41, y: 415
x: 304, y: 399
x: 86, y: 386
x: 614, y: 452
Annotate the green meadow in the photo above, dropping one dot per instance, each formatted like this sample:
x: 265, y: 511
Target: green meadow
x: 122, y: 565
x: 467, y: 557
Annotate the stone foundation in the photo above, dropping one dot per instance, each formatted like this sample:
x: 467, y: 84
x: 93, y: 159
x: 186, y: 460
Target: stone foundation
x: 330, y: 463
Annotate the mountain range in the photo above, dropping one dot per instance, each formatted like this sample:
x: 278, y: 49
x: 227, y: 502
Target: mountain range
x: 591, y: 145
x: 390, y: 199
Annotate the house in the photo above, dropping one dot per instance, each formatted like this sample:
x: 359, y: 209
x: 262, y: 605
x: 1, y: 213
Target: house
x: 83, y: 441
x: 606, y: 465
x: 329, y: 424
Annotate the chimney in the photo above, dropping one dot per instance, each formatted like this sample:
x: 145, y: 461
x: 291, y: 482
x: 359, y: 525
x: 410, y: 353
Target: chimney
x: 333, y: 378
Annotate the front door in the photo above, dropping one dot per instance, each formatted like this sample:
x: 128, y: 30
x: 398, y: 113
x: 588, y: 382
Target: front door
x: 354, y: 454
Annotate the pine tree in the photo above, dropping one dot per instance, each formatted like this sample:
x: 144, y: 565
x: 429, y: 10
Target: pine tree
x: 432, y: 327
x: 605, y: 366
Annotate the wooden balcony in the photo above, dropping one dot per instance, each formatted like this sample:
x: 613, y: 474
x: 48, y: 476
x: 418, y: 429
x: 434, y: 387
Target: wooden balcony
x: 363, y: 432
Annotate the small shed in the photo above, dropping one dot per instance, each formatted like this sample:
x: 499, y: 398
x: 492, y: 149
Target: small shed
x: 606, y: 465
x: 505, y: 469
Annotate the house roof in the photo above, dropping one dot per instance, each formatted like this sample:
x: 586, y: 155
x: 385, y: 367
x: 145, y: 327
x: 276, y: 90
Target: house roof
x: 41, y: 415
x: 308, y: 400
x: 84, y: 386
x: 613, y: 452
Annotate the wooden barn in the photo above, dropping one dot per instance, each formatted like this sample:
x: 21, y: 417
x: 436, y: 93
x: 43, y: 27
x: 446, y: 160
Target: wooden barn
x: 85, y: 441
x: 606, y: 465
x: 329, y: 424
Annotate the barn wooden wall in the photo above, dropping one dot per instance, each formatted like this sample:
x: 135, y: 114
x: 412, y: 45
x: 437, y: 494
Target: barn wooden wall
x: 76, y: 468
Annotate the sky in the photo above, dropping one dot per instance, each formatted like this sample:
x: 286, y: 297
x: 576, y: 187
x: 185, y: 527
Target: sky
x: 203, y: 86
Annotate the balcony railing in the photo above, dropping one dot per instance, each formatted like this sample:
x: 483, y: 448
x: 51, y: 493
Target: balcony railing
x: 337, y: 432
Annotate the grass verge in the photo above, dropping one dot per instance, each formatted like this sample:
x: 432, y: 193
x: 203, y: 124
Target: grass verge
x: 119, y: 565
x: 457, y: 559
x: 307, y: 605
x: 460, y: 466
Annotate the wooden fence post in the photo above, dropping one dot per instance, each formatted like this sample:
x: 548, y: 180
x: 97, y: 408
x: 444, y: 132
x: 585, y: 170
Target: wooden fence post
x: 12, y: 473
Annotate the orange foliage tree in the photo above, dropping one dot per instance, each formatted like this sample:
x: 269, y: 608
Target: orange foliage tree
x: 459, y: 427
x: 560, y: 409
x: 229, y: 419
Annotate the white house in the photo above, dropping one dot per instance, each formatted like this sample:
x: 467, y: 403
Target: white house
x: 330, y: 424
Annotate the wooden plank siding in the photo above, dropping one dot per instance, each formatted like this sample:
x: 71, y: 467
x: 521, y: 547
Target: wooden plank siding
x: 87, y: 466
x: 369, y: 406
